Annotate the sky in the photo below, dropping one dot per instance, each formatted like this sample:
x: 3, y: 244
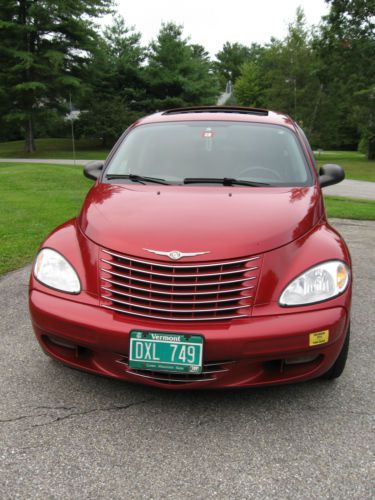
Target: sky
x: 213, y: 22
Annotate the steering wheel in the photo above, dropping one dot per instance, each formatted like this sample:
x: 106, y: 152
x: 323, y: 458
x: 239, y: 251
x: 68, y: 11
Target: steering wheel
x: 272, y: 174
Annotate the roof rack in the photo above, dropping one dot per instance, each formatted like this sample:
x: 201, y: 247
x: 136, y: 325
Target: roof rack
x: 217, y: 109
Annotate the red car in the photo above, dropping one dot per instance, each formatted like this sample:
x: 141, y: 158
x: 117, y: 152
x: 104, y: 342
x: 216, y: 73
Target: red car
x: 201, y: 258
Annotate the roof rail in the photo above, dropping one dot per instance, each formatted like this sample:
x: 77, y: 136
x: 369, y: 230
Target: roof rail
x: 217, y: 109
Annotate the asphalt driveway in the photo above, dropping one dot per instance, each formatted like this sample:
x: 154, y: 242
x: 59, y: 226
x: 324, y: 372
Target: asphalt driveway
x: 67, y: 434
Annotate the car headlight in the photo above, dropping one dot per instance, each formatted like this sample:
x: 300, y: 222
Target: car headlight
x: 53, y: 270
x: 319, y: 283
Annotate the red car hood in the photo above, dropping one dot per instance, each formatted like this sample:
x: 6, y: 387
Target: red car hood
x: 228, y: 222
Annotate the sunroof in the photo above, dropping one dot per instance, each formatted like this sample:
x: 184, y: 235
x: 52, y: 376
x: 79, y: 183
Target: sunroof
x: 217, y: 109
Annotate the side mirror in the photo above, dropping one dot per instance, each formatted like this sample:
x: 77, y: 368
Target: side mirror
x: 93, y: 169
x: 330, y: 174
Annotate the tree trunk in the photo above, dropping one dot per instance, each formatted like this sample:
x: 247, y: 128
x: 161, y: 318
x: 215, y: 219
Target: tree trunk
x: 29, y: 138
x: 28, y: 98
x: 371, y: 149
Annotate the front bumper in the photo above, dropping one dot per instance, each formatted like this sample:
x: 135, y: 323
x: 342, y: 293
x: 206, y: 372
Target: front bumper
x: 240, y: 353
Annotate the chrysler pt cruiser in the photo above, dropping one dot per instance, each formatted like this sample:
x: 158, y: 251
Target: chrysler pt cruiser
x: 202, y: 257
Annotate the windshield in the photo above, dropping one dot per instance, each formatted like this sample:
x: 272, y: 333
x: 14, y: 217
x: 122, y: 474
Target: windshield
x: 174, y: 151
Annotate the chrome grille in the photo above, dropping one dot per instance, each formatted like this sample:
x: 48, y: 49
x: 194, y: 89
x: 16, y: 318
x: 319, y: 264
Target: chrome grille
x: 207, y: 291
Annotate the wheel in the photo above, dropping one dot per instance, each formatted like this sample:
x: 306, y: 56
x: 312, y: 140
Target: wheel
x: 338, y: 367
x: 272, y: 174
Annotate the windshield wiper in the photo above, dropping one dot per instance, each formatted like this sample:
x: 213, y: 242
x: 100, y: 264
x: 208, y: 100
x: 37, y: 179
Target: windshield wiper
x: 225, y: 181
x: 137, y: 178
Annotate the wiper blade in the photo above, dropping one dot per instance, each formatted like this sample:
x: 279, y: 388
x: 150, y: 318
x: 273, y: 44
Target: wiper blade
x: 137, y: 178
x: 225, y: 181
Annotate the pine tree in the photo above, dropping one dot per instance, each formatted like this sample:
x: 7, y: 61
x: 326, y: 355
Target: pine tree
x: 44, y: 46
x: 347, y: 48
x: 115, y: 89
x: 178, y: 73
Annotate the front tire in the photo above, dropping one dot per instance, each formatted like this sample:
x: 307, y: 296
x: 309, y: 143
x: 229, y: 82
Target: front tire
x: 338, y: 367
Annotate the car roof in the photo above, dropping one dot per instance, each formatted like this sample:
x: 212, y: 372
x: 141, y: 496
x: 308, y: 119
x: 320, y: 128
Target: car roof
x: 219, y: 113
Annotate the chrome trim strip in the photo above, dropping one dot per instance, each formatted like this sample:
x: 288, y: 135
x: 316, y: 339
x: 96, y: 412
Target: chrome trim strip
x: 161, y: 264
x: 163, y: 318
x: 140, y: 306
x: 168, y: 275
x: 215, y: 292
x: 122, y: 361
x: 215, y: 371
x: 219, y: 363
x: 164, y: 379
x: 206, y: 283
x: 232, y: 299
x: 204, y: 372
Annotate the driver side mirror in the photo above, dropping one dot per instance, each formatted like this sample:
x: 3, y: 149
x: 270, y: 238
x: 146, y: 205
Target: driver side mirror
x: 330, y: 174
x: 93, y: 169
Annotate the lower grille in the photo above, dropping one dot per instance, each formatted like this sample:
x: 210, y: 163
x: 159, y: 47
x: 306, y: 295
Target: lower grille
x: 207, y: 291
x: 211, y: 371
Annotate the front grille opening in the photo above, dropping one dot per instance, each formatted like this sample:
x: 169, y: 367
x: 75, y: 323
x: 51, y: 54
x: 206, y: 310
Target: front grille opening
x: 163, y: 304
x: 211, y: 371
x: 178, y: 291
x: 171, y: 378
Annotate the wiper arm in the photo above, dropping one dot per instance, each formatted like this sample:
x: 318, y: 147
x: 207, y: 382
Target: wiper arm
x: 137, y: 178
x: 225, y: 181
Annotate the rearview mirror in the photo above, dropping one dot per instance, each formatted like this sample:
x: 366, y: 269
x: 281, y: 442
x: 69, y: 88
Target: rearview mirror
x: 93, y: 169
x: 330, y: 174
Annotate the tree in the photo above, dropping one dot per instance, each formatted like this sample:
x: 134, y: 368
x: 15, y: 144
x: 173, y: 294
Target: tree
x: 177, y: 73
x: 43, y: 48
x: 229, y: 61
x: 249, y: 88
x: 115, y: 88
x: 364, y: 112
x: 283, y: 76
x: 347, y: 46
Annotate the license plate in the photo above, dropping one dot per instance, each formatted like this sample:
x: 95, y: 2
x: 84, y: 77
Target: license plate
x: 169, y: 352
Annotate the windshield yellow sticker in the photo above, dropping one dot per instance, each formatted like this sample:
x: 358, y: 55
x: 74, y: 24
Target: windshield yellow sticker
x: 318, y: 338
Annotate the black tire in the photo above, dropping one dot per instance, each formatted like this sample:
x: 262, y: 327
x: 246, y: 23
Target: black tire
x: 338, y: 367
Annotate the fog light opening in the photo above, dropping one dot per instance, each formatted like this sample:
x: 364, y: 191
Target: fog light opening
x: 301, y: 360
x: 61, y: 343
x: 76, y: 351
x: 82, y: 353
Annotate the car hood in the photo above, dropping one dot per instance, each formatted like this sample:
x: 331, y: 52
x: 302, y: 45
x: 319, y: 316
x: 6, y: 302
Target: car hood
x: 227, y: 222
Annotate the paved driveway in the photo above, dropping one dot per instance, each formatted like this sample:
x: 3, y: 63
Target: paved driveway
x: 352, y: 189
x: 66, y: 434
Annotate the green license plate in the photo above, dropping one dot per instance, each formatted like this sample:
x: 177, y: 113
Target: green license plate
x: 169, y: 352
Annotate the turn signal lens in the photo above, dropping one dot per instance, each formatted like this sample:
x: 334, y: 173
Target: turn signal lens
x: 342, y: 277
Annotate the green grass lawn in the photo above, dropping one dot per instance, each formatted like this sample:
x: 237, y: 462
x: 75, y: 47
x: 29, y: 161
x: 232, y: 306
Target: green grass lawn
x: 55, y: 149
x: 35, y: 198
x: 348, y: 208
x: 355, y: 164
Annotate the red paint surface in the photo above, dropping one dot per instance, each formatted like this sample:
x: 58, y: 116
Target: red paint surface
x: 287, y: 226
x: 128, y: 218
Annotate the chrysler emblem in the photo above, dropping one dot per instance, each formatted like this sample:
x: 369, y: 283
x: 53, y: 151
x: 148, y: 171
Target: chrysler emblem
x: 175, y: 254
